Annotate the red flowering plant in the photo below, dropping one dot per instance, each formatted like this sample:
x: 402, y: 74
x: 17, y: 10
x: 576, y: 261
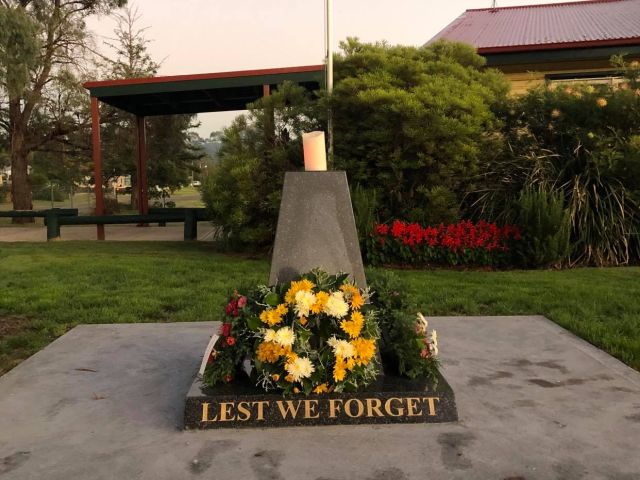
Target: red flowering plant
x: 234, y: 343
x: 464, y: 243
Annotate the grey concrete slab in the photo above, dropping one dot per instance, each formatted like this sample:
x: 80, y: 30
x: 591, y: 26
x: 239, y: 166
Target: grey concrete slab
x: 535, y: 402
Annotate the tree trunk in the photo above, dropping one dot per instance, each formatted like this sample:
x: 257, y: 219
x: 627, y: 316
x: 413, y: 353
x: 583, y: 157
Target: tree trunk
x: 20, y: 186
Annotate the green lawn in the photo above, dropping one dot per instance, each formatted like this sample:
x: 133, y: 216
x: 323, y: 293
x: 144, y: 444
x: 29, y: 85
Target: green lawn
x: 46, y: 289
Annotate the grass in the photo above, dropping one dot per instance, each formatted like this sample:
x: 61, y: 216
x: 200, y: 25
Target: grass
x: 46, y: 289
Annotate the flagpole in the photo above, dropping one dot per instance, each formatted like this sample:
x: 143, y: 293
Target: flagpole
x: 329, y: 69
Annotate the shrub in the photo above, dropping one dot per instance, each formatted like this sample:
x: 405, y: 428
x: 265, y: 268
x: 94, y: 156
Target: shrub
x: 582, y: 141
x: 464, y: 243
x: 546, y: 228
x: 415, y: 123
x: 402, y: 345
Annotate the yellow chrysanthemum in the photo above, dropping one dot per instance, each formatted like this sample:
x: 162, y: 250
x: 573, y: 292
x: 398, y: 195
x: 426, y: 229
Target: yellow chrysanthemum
x: 322, y: 388
x: 350, y: 363
x: 296, y: 390
x: 349, y: 289
x: 273, y: 316
x: 291, y: 356
x: 352, y: 295
x: 365, y: 349
x: 357, y: 301
x: 321, y: 301
x: 353, y: 327
x: 289, y: 378
x: 269, y: 352
x: 302, y: 285
x: 275, y: 377
x: 303, y: 321
x: 339, y: 370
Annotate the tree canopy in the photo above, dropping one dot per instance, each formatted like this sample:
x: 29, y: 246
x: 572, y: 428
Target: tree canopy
x: 414, y: 124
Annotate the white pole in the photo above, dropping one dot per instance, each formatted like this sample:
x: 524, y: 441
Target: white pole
x: 329, y: 34
x: 329, y: 67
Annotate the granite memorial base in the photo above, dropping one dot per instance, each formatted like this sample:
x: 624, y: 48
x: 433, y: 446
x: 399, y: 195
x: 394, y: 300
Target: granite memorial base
x: 389, y: 400
x: 316, y: 228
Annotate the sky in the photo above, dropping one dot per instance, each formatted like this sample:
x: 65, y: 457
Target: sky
x: 201, y: 36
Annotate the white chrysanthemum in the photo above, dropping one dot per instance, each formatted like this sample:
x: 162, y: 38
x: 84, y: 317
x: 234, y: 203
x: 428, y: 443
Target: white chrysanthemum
x: 300, y: 368
x: 284, y: 337
x: 422, y: 324
x: 434, y: 342
x: 341, y: 348
x: 336, y: 306
x: 304, y: 302
x: 269, y: 335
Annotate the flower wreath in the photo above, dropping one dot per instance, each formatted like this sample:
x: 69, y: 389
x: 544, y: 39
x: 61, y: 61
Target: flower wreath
x: 316, y: 334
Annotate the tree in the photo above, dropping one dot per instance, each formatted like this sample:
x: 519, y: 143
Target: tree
x: 171, y: 156
x: 414, y: 124
x: 43, y: 45
x: 243, y: 191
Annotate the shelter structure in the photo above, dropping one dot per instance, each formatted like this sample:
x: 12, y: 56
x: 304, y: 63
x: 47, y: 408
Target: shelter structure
x: 557, y: 42
x: 182, y: 94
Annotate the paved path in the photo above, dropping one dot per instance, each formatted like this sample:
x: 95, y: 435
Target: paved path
x: 535, y: 402
x: 172, y: 232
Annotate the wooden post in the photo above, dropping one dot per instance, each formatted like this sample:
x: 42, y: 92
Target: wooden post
x: 97, y: 162
x: 269, y: 124
x: 141, y: 167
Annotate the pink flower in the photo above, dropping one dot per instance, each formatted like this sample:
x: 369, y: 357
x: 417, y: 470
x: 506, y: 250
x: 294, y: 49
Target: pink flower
x: 424, y: 353
x: 242, y: 301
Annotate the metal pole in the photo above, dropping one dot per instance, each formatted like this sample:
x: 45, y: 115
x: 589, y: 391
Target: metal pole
x: 329, y: 70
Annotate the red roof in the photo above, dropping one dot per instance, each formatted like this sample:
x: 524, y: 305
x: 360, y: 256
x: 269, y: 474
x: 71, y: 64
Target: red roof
x: 552, y: 26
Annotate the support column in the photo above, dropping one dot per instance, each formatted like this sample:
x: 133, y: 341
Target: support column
x: 141, y: 167
x: 97, y: 162
x: 269, y: 124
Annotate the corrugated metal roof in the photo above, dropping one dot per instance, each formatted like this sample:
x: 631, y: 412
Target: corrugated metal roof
x: 540, y: 27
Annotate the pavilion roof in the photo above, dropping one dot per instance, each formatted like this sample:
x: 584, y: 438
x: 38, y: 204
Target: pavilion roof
x: 206, y: 92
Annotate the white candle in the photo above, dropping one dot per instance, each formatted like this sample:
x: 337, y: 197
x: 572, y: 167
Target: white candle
x: 315, y: 154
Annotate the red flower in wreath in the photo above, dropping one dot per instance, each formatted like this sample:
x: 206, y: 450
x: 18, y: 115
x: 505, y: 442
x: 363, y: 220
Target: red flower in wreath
x: 231, y: 341
x: 226, y: 329
x: 232, y: 308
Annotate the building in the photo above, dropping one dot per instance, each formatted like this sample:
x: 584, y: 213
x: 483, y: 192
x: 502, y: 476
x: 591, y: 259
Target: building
x: 560, y: 42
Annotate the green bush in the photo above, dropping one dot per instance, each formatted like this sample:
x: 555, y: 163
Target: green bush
x: 581, y: 140
x: 415, y: 124
x: 400, y: 344
x: 546, y: 229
